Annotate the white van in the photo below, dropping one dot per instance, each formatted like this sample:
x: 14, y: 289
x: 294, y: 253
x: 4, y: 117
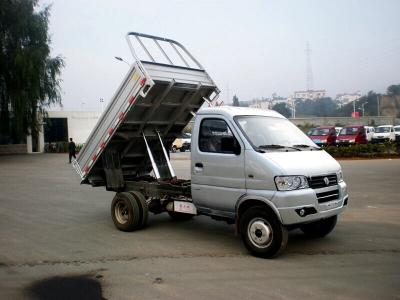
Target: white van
x: 369, y: 132
x: 384, y: 133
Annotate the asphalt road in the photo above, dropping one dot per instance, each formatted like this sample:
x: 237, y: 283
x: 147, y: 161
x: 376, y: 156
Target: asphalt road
x: 57, y: 241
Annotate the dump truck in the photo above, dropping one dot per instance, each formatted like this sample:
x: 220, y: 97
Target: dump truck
x: 249, y: 167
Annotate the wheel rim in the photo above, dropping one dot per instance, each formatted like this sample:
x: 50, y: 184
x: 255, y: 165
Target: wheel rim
x: 121, y: 212
x: 260, y: 233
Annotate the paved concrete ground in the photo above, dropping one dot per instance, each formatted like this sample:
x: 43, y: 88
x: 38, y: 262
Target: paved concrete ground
x: 57, y: 240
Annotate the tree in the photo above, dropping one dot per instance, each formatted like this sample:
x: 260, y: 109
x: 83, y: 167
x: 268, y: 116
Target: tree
x: 369, y: 102
x: 235, y: 101
x: 282, y: 109
x: 29, y: 77
x: 393, y: 90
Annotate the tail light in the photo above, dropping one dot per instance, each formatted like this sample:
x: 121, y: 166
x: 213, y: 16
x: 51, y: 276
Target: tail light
x: 361, y: 138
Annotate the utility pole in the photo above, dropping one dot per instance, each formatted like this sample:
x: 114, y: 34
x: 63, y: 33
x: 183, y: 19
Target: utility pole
x: 293, y: 109
x: 378, y: 103
x: 363, y: 110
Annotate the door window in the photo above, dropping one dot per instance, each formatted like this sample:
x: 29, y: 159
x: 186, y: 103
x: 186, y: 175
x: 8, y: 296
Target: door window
x: 216, y: 137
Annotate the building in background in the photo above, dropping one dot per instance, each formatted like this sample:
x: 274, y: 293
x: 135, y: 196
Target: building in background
x: 344, y: 99
x: 309, y: 95
x: 59, y: 126
x: 62, y: 125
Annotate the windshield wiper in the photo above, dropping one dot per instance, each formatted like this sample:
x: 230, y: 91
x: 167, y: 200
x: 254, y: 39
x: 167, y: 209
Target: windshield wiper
x: 307, y: 146
x: 274, y: 146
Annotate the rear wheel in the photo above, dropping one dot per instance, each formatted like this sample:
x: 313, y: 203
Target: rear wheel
x: 144, y: 211
x: 262, y: 233
x: 125, y: 212
x: 319, y: 228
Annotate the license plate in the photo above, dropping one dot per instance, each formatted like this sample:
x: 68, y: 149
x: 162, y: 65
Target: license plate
x: 317, y: 141
x: 185, y: 207
x: 331, y: 205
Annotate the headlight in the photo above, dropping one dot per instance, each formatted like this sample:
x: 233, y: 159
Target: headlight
x: 339, y: 176
x: 290, y: 183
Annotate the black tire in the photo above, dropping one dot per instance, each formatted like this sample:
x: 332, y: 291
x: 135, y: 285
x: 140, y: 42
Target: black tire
x: 125, y: 212
x: 182, y: 149
x: 262, y: 233
x: 177, y: 216
x: 144, y: 211
x: 319, y: 228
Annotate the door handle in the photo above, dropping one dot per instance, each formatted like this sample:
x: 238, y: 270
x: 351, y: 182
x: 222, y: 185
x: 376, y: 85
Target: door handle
x: 198, y: 168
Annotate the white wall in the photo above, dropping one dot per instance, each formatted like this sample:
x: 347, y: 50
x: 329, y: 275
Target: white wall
x: 80, y: 123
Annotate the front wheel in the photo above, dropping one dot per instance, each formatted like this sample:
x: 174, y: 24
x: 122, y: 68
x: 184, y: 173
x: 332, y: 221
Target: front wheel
x: 262, y: 233
x: 319, y: 228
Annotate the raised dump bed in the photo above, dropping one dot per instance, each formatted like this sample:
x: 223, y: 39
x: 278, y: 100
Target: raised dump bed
x: 155, y: 101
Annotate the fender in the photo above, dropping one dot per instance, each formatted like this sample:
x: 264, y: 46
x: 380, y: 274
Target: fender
x: 248, y: 197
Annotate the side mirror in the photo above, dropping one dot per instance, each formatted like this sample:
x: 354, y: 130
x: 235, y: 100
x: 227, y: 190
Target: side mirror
x: 230, y: 145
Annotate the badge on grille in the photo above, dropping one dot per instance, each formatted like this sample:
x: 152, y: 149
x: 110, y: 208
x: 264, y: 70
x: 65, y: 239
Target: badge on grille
x: 326, y: 180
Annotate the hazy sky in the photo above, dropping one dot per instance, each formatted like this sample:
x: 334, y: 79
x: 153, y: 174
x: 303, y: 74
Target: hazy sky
x: 253, y: 47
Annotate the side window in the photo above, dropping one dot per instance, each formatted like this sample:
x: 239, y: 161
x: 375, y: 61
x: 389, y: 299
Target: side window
x: 216, y: 137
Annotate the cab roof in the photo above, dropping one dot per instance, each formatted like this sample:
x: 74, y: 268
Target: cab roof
x: 233, y: 111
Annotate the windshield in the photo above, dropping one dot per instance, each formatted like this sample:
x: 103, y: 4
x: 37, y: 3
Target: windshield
x: 382, y: 129
x: 397, y: 129
x: 269, y: 131
x: 319, y: 131
x: 349, y: 131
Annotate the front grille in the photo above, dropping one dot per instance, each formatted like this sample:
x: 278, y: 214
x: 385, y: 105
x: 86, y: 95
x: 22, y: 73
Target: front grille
x: 327, y: 196
x: 317, y: 182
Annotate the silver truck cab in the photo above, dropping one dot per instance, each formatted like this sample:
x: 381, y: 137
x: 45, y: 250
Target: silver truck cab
x: 249, y: 158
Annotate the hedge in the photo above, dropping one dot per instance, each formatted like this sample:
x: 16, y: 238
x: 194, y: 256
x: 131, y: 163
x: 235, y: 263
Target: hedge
x: 367, y: 150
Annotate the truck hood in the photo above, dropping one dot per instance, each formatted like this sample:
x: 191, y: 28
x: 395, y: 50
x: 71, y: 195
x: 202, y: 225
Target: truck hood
x: 308, y: 163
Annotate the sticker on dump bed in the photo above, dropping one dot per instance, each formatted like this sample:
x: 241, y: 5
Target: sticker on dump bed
x: 185, y: 207
x: 135, y: 76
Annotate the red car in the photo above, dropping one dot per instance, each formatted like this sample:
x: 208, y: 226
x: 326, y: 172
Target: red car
x: 323, y: 135
x: 352, y: 134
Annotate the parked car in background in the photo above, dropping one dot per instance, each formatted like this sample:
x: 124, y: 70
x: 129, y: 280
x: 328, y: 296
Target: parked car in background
x: 384, y: 133
x: 310, y: 130
x: 182, y: 144
x: 352, y: 134
x: 338, y: 130
x: 397, y: 132
x: 323, y: 135
x: 369, y: 130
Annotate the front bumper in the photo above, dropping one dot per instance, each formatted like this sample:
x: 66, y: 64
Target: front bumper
x: 345, y: 142
x: 288, y: 204
x: 379, y: 140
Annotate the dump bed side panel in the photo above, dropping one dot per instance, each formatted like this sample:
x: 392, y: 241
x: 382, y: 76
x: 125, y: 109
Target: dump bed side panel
x: 134, y: 85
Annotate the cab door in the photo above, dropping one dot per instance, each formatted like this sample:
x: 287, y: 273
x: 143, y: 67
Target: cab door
x: 217, y: 166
